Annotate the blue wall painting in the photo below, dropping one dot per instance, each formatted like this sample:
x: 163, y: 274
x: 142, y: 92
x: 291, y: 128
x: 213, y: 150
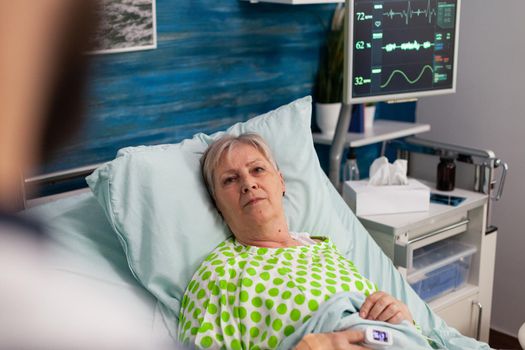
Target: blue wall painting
x: 216, y: 63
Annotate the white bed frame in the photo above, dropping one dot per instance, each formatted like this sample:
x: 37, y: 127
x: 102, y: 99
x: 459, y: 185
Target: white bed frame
x: 30, y: 184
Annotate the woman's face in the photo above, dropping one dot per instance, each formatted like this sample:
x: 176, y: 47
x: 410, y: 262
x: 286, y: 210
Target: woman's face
x: 248, y: 189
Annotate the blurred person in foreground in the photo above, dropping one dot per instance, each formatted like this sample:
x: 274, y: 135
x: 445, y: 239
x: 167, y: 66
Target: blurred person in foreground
x: 42, y: 76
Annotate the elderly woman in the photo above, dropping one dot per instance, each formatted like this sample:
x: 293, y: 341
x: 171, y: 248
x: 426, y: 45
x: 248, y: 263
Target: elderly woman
x: 261, y: 285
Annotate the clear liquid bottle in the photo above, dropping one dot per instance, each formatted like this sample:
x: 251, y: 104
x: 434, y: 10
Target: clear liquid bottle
x: 351, y: 170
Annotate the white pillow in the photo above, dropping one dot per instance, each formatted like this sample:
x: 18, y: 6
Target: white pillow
x: 158, y: 205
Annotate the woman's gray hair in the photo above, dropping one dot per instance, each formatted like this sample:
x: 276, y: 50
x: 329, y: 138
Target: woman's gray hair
x: 212, y: 156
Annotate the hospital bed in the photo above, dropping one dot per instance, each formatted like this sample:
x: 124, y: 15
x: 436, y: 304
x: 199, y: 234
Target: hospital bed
x: 148, y: 222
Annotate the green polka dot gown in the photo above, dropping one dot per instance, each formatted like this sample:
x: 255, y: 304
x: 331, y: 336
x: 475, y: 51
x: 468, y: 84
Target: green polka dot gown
x: 245, y: 297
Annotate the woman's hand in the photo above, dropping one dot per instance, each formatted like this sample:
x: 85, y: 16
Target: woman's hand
x: 381, y: 306
x: 343, y: 340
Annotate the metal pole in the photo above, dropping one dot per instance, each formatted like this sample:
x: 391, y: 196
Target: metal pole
x: 338, y: 144
x: 340, y: 137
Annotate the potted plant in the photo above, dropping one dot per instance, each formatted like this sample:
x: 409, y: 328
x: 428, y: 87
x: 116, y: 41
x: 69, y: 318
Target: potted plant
x: 329, y: 80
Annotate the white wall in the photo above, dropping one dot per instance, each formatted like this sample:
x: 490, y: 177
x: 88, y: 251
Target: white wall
x: 488, y: 111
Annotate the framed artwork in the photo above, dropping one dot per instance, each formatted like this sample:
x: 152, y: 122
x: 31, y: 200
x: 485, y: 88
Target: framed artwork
x: 126, y: 25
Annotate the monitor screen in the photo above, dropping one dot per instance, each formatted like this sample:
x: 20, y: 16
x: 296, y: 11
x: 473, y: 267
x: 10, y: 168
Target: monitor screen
x: 400, y: 49
x: 380, y: 336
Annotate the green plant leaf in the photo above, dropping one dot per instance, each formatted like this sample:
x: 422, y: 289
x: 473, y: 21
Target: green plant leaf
x: 329, y: 82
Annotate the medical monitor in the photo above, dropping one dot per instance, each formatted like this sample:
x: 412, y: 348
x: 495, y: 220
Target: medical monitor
x: 400, y: 50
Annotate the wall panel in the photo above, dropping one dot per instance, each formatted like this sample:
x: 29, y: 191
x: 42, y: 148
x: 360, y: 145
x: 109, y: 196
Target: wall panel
x: 217, y: 63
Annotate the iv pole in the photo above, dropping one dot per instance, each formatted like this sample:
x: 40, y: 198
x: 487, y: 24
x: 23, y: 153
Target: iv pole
x: 345, y: 116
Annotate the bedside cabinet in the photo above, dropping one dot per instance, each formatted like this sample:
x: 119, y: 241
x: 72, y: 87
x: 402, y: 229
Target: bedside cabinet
x: 447, y: 255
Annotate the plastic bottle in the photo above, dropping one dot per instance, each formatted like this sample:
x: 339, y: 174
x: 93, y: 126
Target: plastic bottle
x: 351, y: 170
x: 446, y: 173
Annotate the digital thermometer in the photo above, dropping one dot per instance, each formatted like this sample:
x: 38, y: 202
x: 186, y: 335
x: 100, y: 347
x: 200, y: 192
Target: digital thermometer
x: 378, y: 337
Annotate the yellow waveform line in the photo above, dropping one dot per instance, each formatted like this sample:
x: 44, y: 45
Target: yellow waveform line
x: 407, y: 78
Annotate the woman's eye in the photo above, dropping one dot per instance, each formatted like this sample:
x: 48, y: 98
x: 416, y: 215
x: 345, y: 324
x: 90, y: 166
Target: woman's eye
x: 228, y: 180
x: 259, y: 169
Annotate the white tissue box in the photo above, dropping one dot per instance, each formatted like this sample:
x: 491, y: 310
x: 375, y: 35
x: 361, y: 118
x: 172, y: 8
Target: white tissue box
x: 365, y: 199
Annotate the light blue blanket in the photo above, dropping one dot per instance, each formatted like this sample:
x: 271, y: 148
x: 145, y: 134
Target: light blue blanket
x: 340, y: 312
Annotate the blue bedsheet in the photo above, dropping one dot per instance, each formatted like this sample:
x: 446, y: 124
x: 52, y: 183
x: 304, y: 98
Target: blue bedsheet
x: 340, y: 312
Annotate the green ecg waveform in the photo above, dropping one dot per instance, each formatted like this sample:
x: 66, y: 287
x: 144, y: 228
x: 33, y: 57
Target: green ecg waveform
x: 408, y: 46
x: 405, y: 76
